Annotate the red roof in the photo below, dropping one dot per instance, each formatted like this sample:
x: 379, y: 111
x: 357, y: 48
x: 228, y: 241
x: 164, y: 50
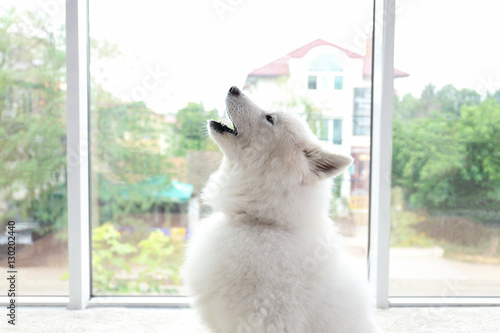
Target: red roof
x: 301, y: 51
x: 398, y: 73
x: 276, y: 67
x: 280, y: 66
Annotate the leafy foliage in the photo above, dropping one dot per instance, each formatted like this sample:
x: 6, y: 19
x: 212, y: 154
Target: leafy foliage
x: 162, y: 260
x: 129, y: 142
x: 32, y: 103
x: 190, y: 119
x: 108, y: 258
x: 446, y: 153
x: 156, y: 257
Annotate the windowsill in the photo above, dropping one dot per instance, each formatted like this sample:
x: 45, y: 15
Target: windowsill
x: 393, y: 320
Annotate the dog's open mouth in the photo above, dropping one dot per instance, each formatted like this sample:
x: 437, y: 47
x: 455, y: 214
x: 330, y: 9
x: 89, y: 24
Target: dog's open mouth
x: 223, y: 128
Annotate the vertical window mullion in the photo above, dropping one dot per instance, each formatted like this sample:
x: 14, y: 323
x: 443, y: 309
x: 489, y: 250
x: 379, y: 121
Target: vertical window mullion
x: 380, y: 189
x: 77, y: 153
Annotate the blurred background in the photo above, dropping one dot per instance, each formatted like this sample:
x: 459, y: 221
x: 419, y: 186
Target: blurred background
x: 159, y: 70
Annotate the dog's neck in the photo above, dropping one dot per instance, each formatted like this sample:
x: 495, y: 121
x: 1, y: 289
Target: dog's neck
x: 232, y: 191
x: 242, y: 217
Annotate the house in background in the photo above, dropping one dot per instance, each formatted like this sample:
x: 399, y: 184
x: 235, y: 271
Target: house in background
x: 331, y: 86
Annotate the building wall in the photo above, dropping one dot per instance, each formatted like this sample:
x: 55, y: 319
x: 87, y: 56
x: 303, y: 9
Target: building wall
x: 290, y: 93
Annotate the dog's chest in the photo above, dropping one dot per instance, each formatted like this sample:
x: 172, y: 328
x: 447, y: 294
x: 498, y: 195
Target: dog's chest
x: 247, y: 259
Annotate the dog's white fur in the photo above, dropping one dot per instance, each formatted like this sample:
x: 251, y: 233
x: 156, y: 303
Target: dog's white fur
x: 270, y: 259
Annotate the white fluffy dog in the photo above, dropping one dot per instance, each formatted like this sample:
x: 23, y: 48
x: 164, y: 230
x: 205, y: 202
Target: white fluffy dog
x: 270, y: 260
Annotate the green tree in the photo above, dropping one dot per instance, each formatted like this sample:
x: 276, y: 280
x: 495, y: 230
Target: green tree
x: 32, y: 128
x: 479, y: 129
x: 130, y: 146
x: 495, y: 96
x: 190, y: 120
x: 131, y: 141
x: 425, y: 160
x: 128, y: 140
x: 428, y: 100
x: 451, y: 99
x: 448, y: 161
x: 406, y: 108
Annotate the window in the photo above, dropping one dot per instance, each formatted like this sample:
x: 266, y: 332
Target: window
x: 144, y: 134
x: 326, y: 63
x: 329, y: 130
x: 33, y: 148
x: 445, y: 177
x: 339, y: 82
x: 328, y: 72
x: 362, y: 111
x: 337, y: 131
x: 312, y: 82
x: 145, y: 186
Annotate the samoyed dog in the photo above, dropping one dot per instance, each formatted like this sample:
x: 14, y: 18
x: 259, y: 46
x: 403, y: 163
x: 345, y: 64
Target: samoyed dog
x: 270, y: 260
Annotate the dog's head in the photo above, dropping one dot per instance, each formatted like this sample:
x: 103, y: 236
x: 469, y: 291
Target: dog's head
x: 277, y: 147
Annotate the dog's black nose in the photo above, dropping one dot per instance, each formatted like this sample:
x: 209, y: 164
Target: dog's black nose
x: 234, y: 90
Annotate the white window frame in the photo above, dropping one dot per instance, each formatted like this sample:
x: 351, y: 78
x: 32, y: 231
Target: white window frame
x: 381, y: 153
x: 80, y: 293
x: 380, y: 176
x: 78, y: 168
x: 78, y: 92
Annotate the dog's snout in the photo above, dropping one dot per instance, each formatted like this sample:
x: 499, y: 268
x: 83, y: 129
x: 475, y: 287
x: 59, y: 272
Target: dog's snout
x: 234, y: 90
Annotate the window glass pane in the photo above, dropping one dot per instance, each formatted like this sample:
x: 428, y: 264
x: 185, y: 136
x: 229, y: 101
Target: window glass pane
x: 337, y: 131
x: 362, y: 111
x: 312, y: 82
x: 325, y: 62
x: 159, y: 70
x: 339, y: 82
x: 33, y: 146
x: 446, y: 152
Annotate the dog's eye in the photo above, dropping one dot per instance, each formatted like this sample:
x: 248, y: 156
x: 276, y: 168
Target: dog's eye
x: 270, y: 119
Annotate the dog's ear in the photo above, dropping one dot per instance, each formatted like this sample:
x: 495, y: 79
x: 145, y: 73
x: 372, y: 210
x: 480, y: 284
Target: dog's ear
x: 325, y: 164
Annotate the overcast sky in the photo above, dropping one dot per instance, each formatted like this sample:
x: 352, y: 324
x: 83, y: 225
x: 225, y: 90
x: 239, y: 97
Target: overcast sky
x: 197, y: 49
